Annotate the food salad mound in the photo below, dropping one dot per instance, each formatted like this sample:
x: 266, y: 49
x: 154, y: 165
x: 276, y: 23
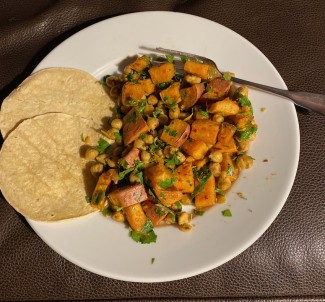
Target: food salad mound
x: 178, y: 138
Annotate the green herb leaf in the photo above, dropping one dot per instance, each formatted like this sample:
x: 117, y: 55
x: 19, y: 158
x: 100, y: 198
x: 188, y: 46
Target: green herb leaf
x: 88, y: 199
x: 178, y: 78
x: 82, y: 137
x: 203, y: 113
x: 159, y: 212
x: 184, y: 59
x: 173, y: 161
x: 227, y: 76
x: 139, y: 175
x: 171, y: 212
x: 202, y: 176
x: 107, y: 211
x: 246, y: 134
x: 170, y: 58
x: 102, y: 145
x: 165, y: 184
x: 170, y: 132
x: 178, y: 206
x: 146, y: 236
x: 230, y: 170
x: 244, y: 101
x: 226, y: 213
x: 163, y: 85
x: 220, y: 192
x: 198, y: 212
x: 118, y: 136
x: 152, y: 260
x: 170, y: 102
x: 156, y: 113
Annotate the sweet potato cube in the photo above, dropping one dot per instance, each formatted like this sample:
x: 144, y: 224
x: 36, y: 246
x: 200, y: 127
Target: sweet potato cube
x: 134, y: 125
x: 191, y: 95
x: 135, y: 217
x: 162, y: 73
x: 139, y: 64
x: 207, y: 197
x: 131, y: 157
x: 167, y: 197
x: 98, y: 198
x: 185, y: 178
x: 226, y: 142
x: 205, y: 130
x: 171, y: 93
x: 204, y: 71
x: 131, y: 91
x: 229, y: 166
x: 127, y: 196
x: 157, y: 174
x: 155, y: 213
x: 195, y: 148
x: 217, y: 89
x: 225, y: 107
x: 176, y: 133
x: 147, y: 86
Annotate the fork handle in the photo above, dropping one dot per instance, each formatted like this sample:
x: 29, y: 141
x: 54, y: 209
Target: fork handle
x: 312, y: 101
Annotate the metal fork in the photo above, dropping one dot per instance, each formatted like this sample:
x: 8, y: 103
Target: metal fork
x: 312, y: 101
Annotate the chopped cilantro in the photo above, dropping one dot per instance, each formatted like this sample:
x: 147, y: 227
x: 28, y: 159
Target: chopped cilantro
x: 202, y: 176
x: 146, y: 236
x: 227, y: 76
x: 138, y: 165
x: 88, y: 199
x: 132, y: 118
x: 165, y: 184
x: 171, y: 212
x: 184, y: 59
x: 159, y: 212
x: 163, y: 85
x: 246, y: 134
x: 142, y: 135
x: 169, y: 131
x: 152, y: 260
x: 118, y: 136
x: 139, y: 175
x: 156, y: 113
x: 178, y: 206
x: 226, y: 213
x: 177, y: 78
x: 107, y: 211
x: 198, y: 212
x: 170, y: 58
x: 220, y: 192
x: 173, y: 161
x: 169, y: 102
x: 244, y: 101
x: 82, y: 137
x: 231, y: 170
x: 102, y: 145
x: 203, y: 113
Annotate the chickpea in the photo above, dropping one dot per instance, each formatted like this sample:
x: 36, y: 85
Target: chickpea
x: 163, y: 119
x: 148, y: 110
x: 101, y: 158
x: 221, y: 199
x: 148, y: 139
x: 192, y: 79
x: 174, y: 112
x: 118, y: 216
x: 218, y: 118
x: 215, y: 169
x: 216, y: 156
x: 96, y: 169
x: 244, y: 162
x: 199, y: 115
x: 153, y: 123
x: 181, y: 157
x: 152, y: 100
x: 111, y: 161
x: 117, y: 123
x: 91, y: 154
x: 224, y: 182
x: 133, y: 178
x: 184, y: 218
x: 145, y: 156
x: 160, y: 105
x: 110, y: 133
x: 243, y: 146
x: 185, y: 227
x: 186, y: 199
x: 169, y: 151
x: 139, y: 143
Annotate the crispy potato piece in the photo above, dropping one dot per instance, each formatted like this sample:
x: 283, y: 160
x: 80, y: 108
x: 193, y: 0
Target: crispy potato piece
x: 226, y: 142
x: 162, y: 73
x: 135, y: 217
x: 176, y: 133
x: 167, y: 197
x: 229, y: 166
x: 156, y: 174
x: 205, y: 130
x: 191, y: 95
x: 127, y: 196
x: 131, y: 157
x: 138, y: 65
x: 207, y: 197
x: 185, y: 178
x: 98, y: 198
x: 204, y: 71
x: 172, y: 92
x: 225, y: 107
x: 195, y: 148
x: 136, y: 91
x: 134, y: 125
x: 147, y: 86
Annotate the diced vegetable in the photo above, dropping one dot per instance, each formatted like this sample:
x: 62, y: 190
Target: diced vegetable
x: 226, y: 142
x: 185, y: 178
x: 127, y: 196
x: 229, y: 166
x: 204, y: 71
x: 225, y: 107
x: 168, y: 197
x: 155, y: 213
x: 216, y: 90
x: 131, y: 157
x: 171, y: 93
x: 176, y: 133
x: 134, y: 126
x: 191, y: 95
x: 135, y: 217
x: 138, y: 65
x: 162, y: 73
x: 195, y: 148
x: 157, y: 174
x: 132, y: 92
x: 207, y: 197
x: 205, y: 130
x: 98, y: 198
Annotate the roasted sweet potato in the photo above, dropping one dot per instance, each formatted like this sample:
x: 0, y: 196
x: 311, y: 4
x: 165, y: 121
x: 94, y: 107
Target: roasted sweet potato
x: 131, y: 157
x: 207, y: 197
x: 134, y: 125
x: 133, y: 92
x: 98, y: 198
x: 229, y: 166
x: 138, y: 65
x: 176, y: 133
x: 155, y: 213
x: 171, y: 93
x: 135, y: 217
x: 224, y: 107
x: 191, y: 95
x: 185, y: 178
x: 167, y: 197
x: 127, y: 196
x: 157, y: 174
x: 162, y: 73
x: 226, y: 142
x: 195, y: 148
x: 204, y: 71
x: 205, y: 130
x: 216, y: 90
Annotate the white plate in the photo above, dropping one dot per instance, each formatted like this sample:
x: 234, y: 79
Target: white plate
x: 103, y: 246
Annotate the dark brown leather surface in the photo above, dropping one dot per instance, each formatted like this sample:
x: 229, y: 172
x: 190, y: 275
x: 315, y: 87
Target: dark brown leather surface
x: 288, y: 262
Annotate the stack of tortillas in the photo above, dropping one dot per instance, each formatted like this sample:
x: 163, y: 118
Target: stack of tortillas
x: 43, y: 175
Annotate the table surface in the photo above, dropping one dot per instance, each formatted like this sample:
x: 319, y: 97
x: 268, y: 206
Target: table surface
x: 288, y: 262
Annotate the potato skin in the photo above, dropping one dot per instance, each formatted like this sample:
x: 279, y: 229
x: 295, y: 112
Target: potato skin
x: 181, y: 130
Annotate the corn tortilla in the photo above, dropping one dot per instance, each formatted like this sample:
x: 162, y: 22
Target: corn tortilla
x: 43, y: 175
x: 65, y: 90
